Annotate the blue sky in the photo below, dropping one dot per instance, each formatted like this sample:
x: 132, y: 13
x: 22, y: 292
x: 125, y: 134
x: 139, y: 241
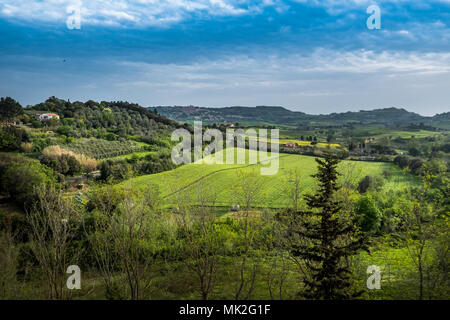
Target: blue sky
x: 307, y: 55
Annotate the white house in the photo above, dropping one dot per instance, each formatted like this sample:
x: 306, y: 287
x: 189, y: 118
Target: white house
x: 45, y: 116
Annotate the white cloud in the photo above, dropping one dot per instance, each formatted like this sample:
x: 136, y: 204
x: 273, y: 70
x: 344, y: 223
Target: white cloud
x: 322, y: 82
x: 125, y: 12
x: 325, y: 81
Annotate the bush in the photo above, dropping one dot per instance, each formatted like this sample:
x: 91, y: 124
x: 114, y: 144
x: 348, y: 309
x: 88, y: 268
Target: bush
x: 414, y: 151
x: 65, y: 164
x: 64, y: 130
x: 414, y: 164
x: 401, y: 161
x: 20, y: 178
x: 69, y: 158
x: 370, y: 183
x: 26, y: 147
x: 11, y: 138
x: 370, y: 217
x: 36, y: 124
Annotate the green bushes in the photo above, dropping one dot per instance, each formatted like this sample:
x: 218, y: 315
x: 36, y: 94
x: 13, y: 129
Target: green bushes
x: 65, y: 164
x: 370, y: 183
x: 368, y: 213
x: 40, y: 144
x: 126, y: 168
x: 12, y: 137
x: 20, y: 178
x: 414, y: 165
x: 9, y: 109
x: 64, y: 130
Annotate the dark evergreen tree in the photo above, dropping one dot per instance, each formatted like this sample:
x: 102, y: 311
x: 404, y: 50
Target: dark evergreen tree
x: 327, y: 238
x: 9, y: 109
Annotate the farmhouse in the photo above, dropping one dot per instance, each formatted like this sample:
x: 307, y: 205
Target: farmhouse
x: 45, y: 116
x: 291, y: 145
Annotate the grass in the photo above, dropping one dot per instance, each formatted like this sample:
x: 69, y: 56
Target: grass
x: 223, y: 178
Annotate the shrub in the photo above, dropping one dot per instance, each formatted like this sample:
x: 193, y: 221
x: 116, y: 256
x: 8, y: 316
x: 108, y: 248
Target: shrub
x: 369, y: 215
x: 20, y: 178
x: 26, y: 147
x: 416, y: 165
x: 64, y: 130
x: 414, y: 151
x: 370, y: 183
x: 56, y: 152
x: 401, y: 161
x: 11, y: 138
x: 65, y: 164
x: 36, y: 124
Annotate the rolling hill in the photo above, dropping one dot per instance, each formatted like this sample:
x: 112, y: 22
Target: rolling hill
x: 280, y: 115
x: 224, y: 178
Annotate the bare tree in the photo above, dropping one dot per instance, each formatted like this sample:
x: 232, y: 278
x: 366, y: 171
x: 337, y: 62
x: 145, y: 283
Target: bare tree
x: 293, y: 188
x: 131, y: 231
x: 121, y: 234
x: 202, y: 242
x: 248, y: 191
x: 53, y: 221
x: 97, y: 227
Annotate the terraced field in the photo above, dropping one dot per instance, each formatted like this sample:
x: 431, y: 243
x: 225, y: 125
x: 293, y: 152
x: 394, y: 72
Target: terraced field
x: 224, y: 177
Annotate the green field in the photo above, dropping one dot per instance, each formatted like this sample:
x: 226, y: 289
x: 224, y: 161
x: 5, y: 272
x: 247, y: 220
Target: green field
x: 223, y: 178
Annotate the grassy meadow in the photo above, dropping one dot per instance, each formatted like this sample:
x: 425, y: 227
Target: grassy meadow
x: 224, y: 177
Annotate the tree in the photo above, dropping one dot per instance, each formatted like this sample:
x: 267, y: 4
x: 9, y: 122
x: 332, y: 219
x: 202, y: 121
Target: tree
x: 26, y: 176
x: 370, y: 183
x: 419, y: 218
x: 248, y: 192
x: 330, y: 136
x: 414, y: 151
x: 201, y: 240
x: 12, y: 137
x: 53, y: 224
x: 293, y: 188
x: 97, y: 227
x: 132, y: 233
x: 326, y: 238
x: 9, y: 109
x: 368, y: 214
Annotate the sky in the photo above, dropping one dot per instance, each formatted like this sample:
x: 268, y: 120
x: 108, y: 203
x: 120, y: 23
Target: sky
x: 306, y: 55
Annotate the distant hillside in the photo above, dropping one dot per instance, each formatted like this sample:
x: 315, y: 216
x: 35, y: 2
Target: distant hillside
x: 231, y: 114
x: 442, y: 116
x: 280, y: 115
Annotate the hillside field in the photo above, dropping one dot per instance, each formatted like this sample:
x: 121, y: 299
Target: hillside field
x: 224, y: 177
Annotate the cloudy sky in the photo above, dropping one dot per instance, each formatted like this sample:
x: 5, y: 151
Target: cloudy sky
x: 307, y: 55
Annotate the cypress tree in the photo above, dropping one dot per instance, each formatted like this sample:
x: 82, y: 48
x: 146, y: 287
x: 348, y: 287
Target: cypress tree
x: 327, y: 238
